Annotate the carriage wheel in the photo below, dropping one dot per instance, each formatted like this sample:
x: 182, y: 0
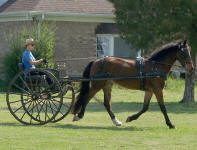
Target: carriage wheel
x: 31, y: 99
x: 68, y: 101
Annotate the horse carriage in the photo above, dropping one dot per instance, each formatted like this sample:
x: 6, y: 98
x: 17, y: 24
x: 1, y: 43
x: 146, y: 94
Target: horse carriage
x: 40, y: 96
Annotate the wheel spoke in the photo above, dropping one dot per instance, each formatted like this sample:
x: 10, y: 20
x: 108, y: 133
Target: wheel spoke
x: 51, y: 108
x: 21, y: 88
x: 32, y: 110
x: 19, y: 94
x: 25, y: 83
x: 46, y: 115
x: 61, y: 112
x: 27, y: 102
x: 17, y: 109
x: 65, y: 105
x: 37, y: 104
x: 15, y: 101
x: 54, y: 105
x: 29, y: 105
x: 55, y: 100
x: 34, y: 106
x: 40, y: 110
x: 23, y: 115
x: 54, y: 109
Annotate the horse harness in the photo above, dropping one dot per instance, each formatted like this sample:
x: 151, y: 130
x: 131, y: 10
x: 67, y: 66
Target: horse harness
x: 154, y: 73
x: 140, y: 67
x: 142, y: 75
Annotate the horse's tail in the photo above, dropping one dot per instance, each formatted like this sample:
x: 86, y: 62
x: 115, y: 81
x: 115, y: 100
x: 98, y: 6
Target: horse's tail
x: 84, y: 89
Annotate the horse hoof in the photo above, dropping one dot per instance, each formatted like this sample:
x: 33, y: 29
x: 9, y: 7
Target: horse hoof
x: 171, y: 127
x: 116, y: 122
x: 76, y: 118
x: 128, y: 119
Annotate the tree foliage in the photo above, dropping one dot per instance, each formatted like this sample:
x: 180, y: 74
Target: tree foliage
x: 146, y: 23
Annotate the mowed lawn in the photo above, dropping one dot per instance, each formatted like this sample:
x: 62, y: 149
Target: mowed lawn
x: 96, y: 131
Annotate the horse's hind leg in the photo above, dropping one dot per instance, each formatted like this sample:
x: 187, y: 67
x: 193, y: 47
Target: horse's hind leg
x: 159, y: 95
x: 107, y: 103
x: 147, y: 98
x: 96, y: 86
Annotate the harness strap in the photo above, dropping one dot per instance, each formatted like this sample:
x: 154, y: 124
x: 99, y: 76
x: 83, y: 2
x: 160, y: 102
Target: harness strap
x: 140, y: 66
x: 142, y: 75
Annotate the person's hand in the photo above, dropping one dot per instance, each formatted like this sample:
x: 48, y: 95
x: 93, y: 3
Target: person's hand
x: 44, y: 61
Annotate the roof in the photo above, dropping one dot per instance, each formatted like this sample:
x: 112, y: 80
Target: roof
x: 72, y: 6
x: 68, y: 10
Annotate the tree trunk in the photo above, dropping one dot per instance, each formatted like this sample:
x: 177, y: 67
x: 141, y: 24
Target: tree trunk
x: 188, y: 96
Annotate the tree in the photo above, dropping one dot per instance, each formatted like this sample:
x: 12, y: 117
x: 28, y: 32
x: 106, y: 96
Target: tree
x: 148, y: 23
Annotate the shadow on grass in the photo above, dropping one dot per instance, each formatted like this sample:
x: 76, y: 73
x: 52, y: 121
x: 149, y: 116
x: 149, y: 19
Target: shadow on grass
x: 117, y: 107
x: 81, y: 127
x: 172, y: 107
x: 11, y: 124
x: 112, y: 128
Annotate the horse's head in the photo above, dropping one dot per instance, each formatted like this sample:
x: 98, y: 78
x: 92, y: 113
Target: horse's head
x: 184, y: 56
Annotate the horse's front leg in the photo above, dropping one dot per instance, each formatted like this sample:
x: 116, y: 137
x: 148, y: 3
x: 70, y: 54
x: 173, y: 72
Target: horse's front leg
x: 159, y: 95
x: 147, y: 98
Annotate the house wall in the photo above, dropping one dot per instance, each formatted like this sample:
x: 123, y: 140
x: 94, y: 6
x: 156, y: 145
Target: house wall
x: 73, y: 40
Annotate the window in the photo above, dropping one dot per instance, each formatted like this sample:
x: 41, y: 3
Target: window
x: 114, y: 45
x: 104, y: 45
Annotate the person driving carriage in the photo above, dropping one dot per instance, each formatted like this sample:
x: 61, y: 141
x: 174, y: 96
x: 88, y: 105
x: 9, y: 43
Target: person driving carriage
x: 28, y: 60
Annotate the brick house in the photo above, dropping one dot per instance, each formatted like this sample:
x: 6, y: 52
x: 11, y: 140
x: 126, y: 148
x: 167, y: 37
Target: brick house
x: 85, y: 28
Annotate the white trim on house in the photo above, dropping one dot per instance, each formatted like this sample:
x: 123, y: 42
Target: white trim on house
x: 57, y: 16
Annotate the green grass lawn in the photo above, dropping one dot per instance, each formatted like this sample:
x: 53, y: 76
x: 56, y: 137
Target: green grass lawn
x: 96, y: 131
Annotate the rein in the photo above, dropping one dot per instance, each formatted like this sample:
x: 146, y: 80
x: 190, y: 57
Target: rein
x: 95, y: 58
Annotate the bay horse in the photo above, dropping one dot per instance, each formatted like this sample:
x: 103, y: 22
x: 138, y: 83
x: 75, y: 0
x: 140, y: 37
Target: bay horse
x: 160, y: 62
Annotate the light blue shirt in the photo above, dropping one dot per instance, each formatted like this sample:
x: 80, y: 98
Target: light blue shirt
x: 27, y: 57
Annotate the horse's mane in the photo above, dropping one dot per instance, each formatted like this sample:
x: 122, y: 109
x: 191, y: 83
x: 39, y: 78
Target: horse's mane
x: 158, y: 53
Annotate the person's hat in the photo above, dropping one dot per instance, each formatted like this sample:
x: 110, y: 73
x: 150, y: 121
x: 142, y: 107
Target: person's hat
x: 29, y: 41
